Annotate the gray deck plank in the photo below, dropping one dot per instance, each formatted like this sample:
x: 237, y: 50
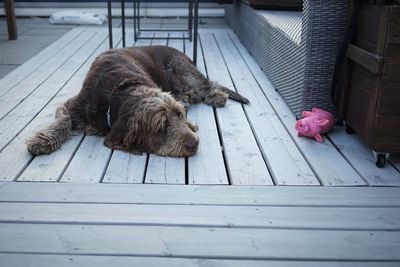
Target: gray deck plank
x: 328, y: 164
x: 206, y: 242
x: 37, y: 260
x: 293, y: 196
x: 50, y: 167
x: 35, y: 80
x: 15, y: 77
x: 245, y: 162
x: 89, y: 162
x: 207, y: 166
x: 285, y: 161
x: 332, y: 165
x: 125, y: 168
x: 166, y: 170
x: 14, y: 157
x: 334, y: 218
x: 361, y: 157
x: 19, y: 116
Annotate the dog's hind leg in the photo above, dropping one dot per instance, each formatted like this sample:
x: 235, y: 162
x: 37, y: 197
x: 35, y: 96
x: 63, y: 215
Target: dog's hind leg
x: 217, y: 95
x: 186, y: 79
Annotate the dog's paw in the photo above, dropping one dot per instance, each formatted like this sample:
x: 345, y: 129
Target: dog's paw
x: 41, y: 144
x: 90, y: 130
x: 216, y: 98
x: 114, y: 145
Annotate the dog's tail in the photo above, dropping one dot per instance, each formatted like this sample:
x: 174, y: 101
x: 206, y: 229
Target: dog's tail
x: 234, y: 95
x: 52, y: 137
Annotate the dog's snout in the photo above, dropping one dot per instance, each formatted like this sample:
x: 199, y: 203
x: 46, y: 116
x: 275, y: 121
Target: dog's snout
x: 191, y: 145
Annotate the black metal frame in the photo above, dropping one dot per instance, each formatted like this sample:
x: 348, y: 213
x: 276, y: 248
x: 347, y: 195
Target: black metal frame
x: 193, y: 7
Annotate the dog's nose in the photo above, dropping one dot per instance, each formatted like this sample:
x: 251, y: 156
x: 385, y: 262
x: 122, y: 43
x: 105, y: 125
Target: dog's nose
x: 191, y: 145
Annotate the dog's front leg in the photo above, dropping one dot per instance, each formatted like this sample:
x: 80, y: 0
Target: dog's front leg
x: 115, y: 139
x: 184, y: 100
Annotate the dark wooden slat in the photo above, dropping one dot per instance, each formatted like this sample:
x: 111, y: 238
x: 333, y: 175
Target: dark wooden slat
x: 368, y: 60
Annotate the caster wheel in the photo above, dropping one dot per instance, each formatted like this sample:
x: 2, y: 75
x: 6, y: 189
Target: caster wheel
x: 349, y: 130
x: 380, y: 158
x: 381, y: 161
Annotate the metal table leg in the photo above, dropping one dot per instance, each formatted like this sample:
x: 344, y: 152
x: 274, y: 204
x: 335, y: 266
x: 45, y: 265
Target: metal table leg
x: 134, y: 21
x: 190, y: 18
x: 123, y: 22
x: 195, y: 28
x: 110, y: 34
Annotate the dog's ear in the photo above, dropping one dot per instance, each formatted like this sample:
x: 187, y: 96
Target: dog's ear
x: 159, y: 122
x: 132, y: 136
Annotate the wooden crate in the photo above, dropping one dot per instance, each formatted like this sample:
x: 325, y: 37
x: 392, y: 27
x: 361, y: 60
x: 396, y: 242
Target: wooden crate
x: 371, y: 104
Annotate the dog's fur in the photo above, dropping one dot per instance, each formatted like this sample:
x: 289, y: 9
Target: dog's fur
x: 145, y: 90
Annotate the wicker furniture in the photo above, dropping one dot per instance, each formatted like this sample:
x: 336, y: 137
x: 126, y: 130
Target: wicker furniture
x: 296, y: 49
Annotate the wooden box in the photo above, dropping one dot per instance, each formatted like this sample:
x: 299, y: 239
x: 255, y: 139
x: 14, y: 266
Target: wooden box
x: 371, y: 99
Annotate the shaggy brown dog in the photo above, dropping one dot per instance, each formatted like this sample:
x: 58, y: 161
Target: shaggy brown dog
x: 136, y: 97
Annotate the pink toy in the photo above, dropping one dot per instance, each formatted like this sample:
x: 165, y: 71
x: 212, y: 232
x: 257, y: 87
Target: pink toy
x: 314, y: 123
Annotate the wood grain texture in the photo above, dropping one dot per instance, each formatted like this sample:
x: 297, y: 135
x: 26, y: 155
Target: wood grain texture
x: 284, y: 159
x: 329, y: 165
x: 89, y: 162
x: 200, y: 242
x: 244, y: 159
x: 294, y: 196
x: 38, y: 260
x: 349, y: 218
x: 45, y: 72
x: 50, y: 167
x: 12, y: 79
x: 368, y: 60
x: 125, y: 168
x: 21, y: 115
x: 163, y: 169
x: 363, y: 160
x: 207, y: 166
x: 31, y: 118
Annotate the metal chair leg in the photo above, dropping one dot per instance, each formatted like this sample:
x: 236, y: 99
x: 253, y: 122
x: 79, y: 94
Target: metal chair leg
x: 110, y: 33
x: 138, y: 16
x: 134, y: 21
x: 190, y: 18
x: 195, y: 22
x: 123, y: 21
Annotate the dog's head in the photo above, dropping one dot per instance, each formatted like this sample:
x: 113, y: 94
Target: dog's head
x: 157, y: 123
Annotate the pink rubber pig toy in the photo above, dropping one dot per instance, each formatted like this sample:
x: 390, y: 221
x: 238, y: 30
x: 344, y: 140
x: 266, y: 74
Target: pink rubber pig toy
x: 314, y: 123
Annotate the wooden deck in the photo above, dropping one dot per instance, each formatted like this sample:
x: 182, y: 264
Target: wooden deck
x: 86, y: 205
x: 240, y: 145
x: 54, y: 224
